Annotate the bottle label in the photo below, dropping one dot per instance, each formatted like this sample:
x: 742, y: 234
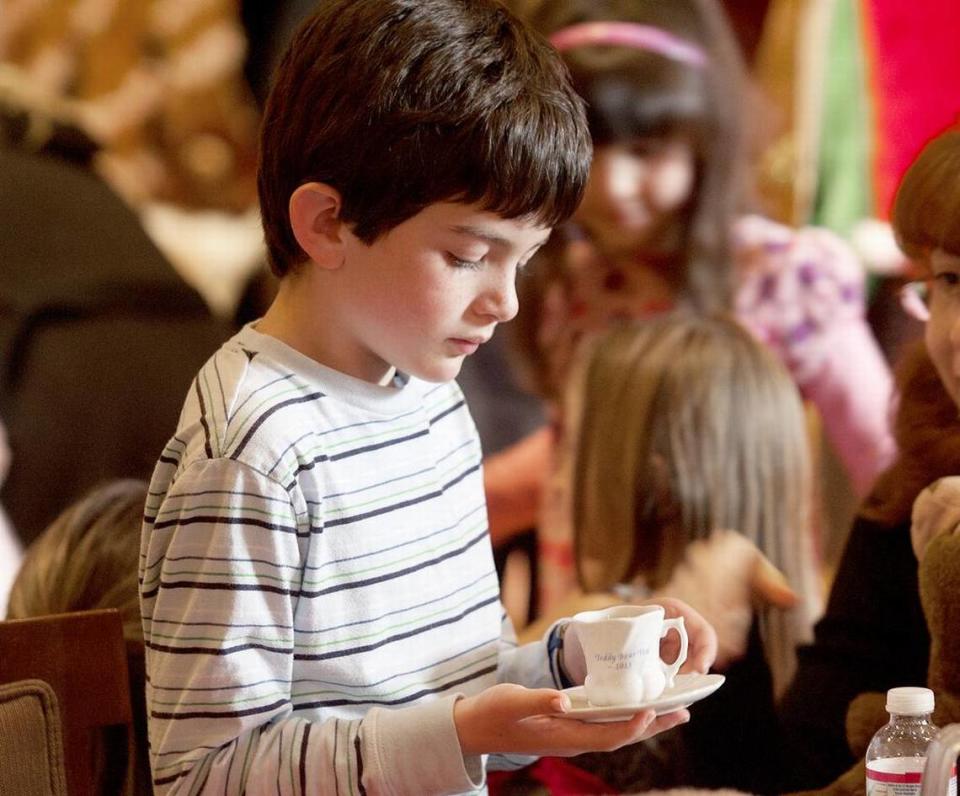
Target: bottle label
x: 899, y: 776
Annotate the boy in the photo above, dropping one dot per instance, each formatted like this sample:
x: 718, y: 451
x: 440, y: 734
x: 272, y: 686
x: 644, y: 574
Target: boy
x: 320, y: 606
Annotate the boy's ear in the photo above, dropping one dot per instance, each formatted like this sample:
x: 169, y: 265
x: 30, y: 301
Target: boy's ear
x: 315, y: 219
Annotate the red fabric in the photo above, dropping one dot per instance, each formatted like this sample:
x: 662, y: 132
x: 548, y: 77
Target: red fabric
x: 914, y: 63
x: 557, y: 775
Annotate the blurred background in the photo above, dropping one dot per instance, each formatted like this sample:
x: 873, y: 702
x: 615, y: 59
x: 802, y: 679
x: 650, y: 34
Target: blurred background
x: 130, y: 244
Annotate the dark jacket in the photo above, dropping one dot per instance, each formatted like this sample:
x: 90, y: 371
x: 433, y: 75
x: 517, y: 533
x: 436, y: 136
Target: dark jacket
x: 99, y: 337
x: 872, y: 637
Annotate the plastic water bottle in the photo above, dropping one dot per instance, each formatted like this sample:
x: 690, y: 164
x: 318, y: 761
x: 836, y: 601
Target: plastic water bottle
x: 897, y: 753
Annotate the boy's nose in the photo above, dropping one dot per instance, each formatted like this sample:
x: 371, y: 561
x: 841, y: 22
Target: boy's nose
x: 499, y: 300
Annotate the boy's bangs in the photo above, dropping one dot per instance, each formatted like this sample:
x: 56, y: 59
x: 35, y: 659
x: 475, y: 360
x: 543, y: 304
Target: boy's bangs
x: 527, y: 164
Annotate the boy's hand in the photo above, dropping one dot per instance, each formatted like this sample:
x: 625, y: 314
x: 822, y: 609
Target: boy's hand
x: 511, y: 719
x: 701, y: 649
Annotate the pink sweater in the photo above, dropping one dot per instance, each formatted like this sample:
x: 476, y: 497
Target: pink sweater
x: 801, y: 293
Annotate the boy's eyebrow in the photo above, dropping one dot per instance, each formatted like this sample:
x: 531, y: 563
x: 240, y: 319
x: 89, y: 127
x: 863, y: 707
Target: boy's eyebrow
x: 488, y: 236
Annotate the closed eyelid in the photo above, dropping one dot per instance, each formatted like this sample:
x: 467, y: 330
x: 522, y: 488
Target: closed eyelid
x: 464, y: 262
x: 466, y: 252
x: 494, y: 241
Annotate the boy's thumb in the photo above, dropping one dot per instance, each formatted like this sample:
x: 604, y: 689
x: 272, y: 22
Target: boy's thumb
x: 516, y: 703
x: 547, y: 701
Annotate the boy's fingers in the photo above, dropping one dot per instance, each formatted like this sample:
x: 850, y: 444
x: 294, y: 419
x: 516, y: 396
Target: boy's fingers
x: 634, y: 727
x: 642, y: 721
x: 540, y: 702
x: 609, y: 735
x: 669, y: 720
x: 639, y: 727
x: 770, y: 586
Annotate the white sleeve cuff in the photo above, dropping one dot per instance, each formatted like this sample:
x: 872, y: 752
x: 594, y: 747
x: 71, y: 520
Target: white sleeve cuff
x: 417, y: 750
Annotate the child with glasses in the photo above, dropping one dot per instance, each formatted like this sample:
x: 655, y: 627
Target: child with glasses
x: 930, y: 236
x: 873, y: 635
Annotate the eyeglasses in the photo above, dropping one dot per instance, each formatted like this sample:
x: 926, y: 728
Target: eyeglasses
x: 915, y: 299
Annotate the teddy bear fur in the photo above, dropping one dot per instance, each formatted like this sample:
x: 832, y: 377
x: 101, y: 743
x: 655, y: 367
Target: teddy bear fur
x: 935, y: 534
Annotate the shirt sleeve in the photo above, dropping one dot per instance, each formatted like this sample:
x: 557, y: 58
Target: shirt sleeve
x: 220, y: 575
x: 802, y: 293
x: 534, y: 665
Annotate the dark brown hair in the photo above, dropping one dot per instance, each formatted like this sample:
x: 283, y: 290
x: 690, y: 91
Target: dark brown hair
x: 633, y: 94
x: 926, y: 211
x: 399, y: 104
x: 927, y: 432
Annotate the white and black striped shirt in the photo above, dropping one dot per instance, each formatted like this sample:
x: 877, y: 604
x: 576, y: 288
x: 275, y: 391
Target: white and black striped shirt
x: 315, y: 556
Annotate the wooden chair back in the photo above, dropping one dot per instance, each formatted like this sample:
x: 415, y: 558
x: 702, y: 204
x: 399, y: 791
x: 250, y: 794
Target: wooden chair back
x: 82, y: 656
x: 31, y: 744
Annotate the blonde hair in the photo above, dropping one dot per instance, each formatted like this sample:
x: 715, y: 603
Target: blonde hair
x: 689, y: 426
x: 87, y: 558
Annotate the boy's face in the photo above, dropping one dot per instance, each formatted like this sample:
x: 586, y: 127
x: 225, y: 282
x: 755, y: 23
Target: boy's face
x: 429, y: 292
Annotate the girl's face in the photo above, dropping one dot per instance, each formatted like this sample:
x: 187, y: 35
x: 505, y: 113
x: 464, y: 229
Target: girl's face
x: 943, y: 329
x: 635, y: 194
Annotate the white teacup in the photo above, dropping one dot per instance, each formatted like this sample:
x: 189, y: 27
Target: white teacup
x: 621, y: 646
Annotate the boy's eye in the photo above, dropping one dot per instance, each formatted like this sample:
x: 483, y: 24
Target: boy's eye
x: 458, y: 262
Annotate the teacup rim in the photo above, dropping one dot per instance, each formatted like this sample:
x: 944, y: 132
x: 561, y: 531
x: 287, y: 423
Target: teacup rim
x: 617, y: 612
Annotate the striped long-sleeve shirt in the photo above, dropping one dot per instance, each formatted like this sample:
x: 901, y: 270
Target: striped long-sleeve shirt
x: 317, y: 584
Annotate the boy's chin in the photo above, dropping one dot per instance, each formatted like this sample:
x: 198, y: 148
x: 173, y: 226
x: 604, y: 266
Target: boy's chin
x: 438, y: 372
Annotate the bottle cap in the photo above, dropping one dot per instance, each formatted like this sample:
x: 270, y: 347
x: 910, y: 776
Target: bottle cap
x: 910, y: 701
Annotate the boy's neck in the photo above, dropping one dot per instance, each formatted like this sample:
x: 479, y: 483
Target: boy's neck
x: 309, y: 324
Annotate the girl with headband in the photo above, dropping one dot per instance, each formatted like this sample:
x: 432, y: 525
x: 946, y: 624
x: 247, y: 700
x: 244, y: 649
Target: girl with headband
x: 663, y: 224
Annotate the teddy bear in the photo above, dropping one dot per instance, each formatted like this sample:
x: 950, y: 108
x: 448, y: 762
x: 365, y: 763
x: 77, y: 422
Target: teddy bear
x: 935, y: 535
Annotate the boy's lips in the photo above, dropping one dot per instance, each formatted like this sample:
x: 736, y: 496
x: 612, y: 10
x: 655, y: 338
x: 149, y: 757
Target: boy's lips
x: 468, y: 345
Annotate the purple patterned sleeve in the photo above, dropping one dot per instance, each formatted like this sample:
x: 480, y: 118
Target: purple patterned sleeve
x: 802, y: 293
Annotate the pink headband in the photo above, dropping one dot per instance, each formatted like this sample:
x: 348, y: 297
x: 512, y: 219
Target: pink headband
x: 629, y: 34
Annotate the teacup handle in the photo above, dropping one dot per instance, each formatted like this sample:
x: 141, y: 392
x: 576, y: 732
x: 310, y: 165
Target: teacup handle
x: 671, y: 669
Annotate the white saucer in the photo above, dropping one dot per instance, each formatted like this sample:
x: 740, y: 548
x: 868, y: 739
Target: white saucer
x: 687, y: 689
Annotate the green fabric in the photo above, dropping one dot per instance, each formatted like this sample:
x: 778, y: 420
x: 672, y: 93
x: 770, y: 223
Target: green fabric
x: 844, y: 182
